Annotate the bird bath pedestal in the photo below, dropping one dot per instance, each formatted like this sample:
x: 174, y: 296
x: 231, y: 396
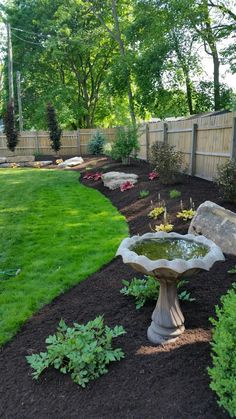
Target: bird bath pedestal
x: 168, y: 257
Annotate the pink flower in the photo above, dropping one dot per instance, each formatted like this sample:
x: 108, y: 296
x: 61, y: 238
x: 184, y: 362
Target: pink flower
x: 93, y: 176
x: 153, y: 175
x: 126, y: 185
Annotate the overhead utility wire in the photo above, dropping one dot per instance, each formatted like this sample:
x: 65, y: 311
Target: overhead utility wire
x: 25, y: 40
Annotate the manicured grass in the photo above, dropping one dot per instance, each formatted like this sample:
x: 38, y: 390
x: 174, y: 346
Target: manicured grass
x: 57, y: 232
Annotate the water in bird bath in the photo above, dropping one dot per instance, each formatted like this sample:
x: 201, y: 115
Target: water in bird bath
x: 170, y: 249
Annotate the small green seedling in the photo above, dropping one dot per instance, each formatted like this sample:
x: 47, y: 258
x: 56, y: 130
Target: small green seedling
x: 143, y: 193
x: 232, y: 270
x: 175, y: 194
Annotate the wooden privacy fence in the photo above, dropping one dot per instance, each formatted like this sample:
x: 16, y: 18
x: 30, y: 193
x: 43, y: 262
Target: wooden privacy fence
x: 74, y: 143
x: 206, y: 142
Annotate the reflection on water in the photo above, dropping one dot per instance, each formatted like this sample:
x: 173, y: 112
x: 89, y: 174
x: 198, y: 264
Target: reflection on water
x: 170, y: 249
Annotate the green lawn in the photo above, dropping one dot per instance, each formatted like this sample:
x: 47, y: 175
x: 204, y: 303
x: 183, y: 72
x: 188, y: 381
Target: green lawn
x: 57, y: 232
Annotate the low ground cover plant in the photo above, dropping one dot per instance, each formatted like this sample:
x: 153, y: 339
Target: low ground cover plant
x: 83, y: 351
x: 167, y: 162
x: 143, y: 193
x: 186, y: 215
x: 96, y: 144
x: 147, y: 289
x: 156, y: 212
x: 153, y: 175
x: 223, y: 371
x: 226, y: 180
x: 175, y: 194
x: 126, y: 186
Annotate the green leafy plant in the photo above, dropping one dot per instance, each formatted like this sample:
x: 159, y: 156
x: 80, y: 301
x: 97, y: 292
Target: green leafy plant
x: 84, y: 351
x: 53, y: 128
x: 10, y: 127
x: 143, y: 193
x: 226, y: 180
x: 175, y: 194
x: 223, y: 371
x: 232, y: 270
x: 148, y: 289
x: 167, y: 162
x: 164, y: 227
x: 126, y: 142
x: 96, y: 144
x: 186, y: 214
x: 155, y: 212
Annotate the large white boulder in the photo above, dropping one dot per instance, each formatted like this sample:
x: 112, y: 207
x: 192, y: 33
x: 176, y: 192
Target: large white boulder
x: 74, y: 161
x: 114, y: 180
x: 3, y: 160
x: 217, y: 224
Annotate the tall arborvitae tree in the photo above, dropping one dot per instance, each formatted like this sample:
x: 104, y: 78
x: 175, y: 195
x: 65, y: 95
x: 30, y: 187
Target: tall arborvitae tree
x: 53, y: 128
x: 10, y: 127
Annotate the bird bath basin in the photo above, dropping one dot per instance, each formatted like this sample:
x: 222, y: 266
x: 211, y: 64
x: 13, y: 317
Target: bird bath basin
x: 168, y: 257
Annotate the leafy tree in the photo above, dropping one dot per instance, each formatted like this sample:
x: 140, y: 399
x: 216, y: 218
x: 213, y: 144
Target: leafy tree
x: 10, y: 127
x: 54, y: 130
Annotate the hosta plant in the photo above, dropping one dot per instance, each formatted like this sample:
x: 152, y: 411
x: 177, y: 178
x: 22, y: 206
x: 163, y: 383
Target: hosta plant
x: 148, y: 289
x: 155, y: 212
x: 164, y: 227
x: 143, y: 193
x: 83, y: 351
x: 186, y: 214
x: 175, y: 194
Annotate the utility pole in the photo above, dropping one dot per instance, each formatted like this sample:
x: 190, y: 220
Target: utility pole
x: 19, y: 101
x: 10, y: 65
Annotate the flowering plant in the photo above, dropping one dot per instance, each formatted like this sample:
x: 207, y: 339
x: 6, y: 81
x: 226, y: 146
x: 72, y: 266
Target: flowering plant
x: 126, y: 185
x: 164, y: 227
x: 153, y: 175
x: 93, y: 176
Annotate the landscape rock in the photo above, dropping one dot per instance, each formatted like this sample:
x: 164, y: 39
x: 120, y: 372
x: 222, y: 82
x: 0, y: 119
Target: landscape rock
x: 114, y: 180
x: 74, y: 161
x: 217, y: 224
x: 3, y: 160
x: 20, y: 159
x: 4, y: 165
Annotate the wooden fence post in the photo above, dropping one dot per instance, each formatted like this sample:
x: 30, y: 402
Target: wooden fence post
x: 147, y: 141
x: 165, y: 132
x: 233, y: 141
x: 37, y: 142
x: 193, y: 150
x: 78, y: 141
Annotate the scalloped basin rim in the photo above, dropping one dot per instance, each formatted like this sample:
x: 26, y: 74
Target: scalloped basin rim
x: 177, y: 265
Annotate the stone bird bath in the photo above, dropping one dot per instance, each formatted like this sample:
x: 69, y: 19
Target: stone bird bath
x: 168, y: 257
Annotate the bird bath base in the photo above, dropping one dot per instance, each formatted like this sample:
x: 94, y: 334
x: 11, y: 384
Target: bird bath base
x: 167, y: 318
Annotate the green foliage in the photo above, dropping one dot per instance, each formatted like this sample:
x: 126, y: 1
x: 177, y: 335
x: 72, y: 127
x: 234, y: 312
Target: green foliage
x: 143, y: 193
x: 10, y: 127
x: 175, y: 194
x: 53, y: 127
x: 148, y: 289
x: 155, y: 212
x: 126, y: 142
x: 232, y: 270
x: 84, y: 351
x: 167, y: 162
x: 226, y: 180
x: 223, y: 372
x: 186, y: 214
x: 96, y: 144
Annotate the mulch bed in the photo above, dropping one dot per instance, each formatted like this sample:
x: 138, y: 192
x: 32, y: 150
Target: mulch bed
x: 168, y: 381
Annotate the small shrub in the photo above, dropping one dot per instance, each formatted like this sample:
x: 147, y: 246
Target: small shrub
x: 53, y: 128
x: 126, y: 142
x: 175, y: 194
x: 10, y: 127
x: 223, y: 372
x: 148, y: 289
x: 96, y: 144
x: 226, y: 180
x: 143, y: 193
x: 155, y: 212
x: 153, y: 175
x: 84, y: 351
x: 167, y: 162
x: 186, y: 214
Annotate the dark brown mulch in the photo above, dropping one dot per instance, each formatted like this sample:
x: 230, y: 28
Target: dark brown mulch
x: 151, y: 382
